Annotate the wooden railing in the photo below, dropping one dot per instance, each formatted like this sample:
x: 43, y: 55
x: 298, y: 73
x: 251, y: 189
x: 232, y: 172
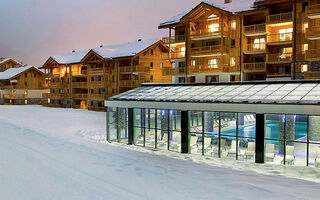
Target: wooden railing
x: 97, y: 96
x: 254, y: 67
x: 256, y: 28
x: 174, y: 39
x: 168, y: 71
x: 313, y: 54
x: 127, y: 69
x: 257, y: 47
x: 280, y: 37
x: 14, y: 96
x: 206, y: 69
x: 278, y: 74
x: 56, y: 96
x: 79, y: 84
x: 208, y: 49
x: 46, y: 95
x: 95, y: 70
x: 79, y: 73
x: 96, y: 83
x: 130, y: 83
x: 312, y: 32
x: 311, y: 75
x: 279, y: 57
x: 80, y: 96
x: 206, y: 33
x: 278, y: 18
x: 313, y: 9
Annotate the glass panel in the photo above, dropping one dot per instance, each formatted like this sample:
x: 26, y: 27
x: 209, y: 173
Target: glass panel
x: 228, y: 147
x: 112, y: 125
x: 314, y: 127
x: 139, y: 136
x: 195, y: 143
x: 314, y: 155
x: 211, y: 131
x: 296, y: 153
x: 274, y: 127
x: 150, y: 137
x: 246, y: 149
x: 123, y: 125
x: 247, y: 125
x: 175, y: 141
x: 162, y: 132
x: 228, y: 124
x: 195, y: 132
x: 274, y: 151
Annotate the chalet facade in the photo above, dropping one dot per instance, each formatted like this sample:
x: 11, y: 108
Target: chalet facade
x: 21, y: 86
x: 6, y: 63
x: 244, y: 40
x: 85, y: 79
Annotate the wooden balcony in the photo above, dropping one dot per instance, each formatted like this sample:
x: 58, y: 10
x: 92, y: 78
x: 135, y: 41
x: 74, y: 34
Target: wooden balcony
x: 256, y: 29
x: 95, y: 70
x: 168, y: 71
x: 174, y: 39
x: 203, y: 34
x: 175, y: 55
x: 45, y: 95
x: 206, y: 69
x: 313, y: 54
x: 276, y: 75
x: 80, y: 73
x: 279, y: 39
x: 311, y: 75
x: 313, y: 11
x: 279, y: 18
x: 256, y: 48
x: 98, y: 97
x: 96, y: 84
x: 137, y: 69
x: 313, y: 33
x: 131, y: 83
x: 254, y: 67
x: 279, y: 58
x: 55, y: 96
x: 208, y: 50
x: 14, y: 96
x: 79, y: 84
x: 80, y: 96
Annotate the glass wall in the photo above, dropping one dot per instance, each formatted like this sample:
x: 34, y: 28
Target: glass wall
x: 196, y: 133
x: 112, y: 124
x: 211, y: 133
x: 117, y: 125
x: 175, y: 130
x: 314, y: 141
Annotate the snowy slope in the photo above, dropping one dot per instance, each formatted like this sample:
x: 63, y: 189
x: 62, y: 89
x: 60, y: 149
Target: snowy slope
x: 44, y: 155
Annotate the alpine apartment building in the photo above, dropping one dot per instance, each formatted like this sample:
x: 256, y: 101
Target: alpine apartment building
x: 84, y: 79
x: 244, y: 40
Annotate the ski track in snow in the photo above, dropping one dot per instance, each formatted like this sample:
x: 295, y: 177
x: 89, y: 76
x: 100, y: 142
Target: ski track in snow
x: 49, y: 153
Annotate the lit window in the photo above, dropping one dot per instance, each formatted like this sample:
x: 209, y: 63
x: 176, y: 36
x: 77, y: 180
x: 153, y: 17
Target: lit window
x: 233, y: 62
x: 25, y: 92
x: 213, y: 63
x: 285, y: 34
x: 304, y: 68
x: 305, y: 26
x: 26, y: 102
x: 304, y: 48
x: 183, y: 51
x: 193, y: 63
x: 259, y: 43
x: 233, y: 25
x: 212, y: 16
x: 213, y: 27
x: 286, y: 53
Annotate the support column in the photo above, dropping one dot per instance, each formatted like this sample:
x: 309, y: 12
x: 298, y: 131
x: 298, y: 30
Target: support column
x: 188, y: 50
x: 184, y: 132
x: 130, y: 126
x: 260, y: 138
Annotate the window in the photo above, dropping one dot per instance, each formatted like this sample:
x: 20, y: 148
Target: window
x: 305, y: 26
x: 213, y: 63
x: 152, y: 52
x: 286, y: 53
x: 233, y: 61
x: 213, y: 27
x: 26, y: 75
x: 285, y: 34
x: 233, y: 25
x: 193, y: 63
x: 183, y: 51
x: 25, y: 102
x: 182, y: 79
x: 304, y: 48
x: 26, y: 84
x: 151, y: 78
x: 304, y: 68
x: 259, y: 43
x: 35, y: 75
x: 161, y: 65
x: 151, y: 65
x: 25, y: 92
x: 212, y: 79
x: 233, y: 43
x: 232, y: 78
x: 182, y: 64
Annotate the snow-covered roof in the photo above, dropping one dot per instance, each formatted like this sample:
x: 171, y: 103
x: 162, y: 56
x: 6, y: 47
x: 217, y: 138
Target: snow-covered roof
x: 8, y: 59
x: 124, y: 50
x: 70, y: 58
x: 12, y: 72
x: 236, y: 6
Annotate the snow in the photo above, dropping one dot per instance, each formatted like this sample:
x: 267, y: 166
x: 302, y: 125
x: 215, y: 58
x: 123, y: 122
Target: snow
x: 70, y: 58
x: 52, y: 153
x: 7, y: 59
x: 236, y: 6
x: 124, y: 50
x: 12, y: 72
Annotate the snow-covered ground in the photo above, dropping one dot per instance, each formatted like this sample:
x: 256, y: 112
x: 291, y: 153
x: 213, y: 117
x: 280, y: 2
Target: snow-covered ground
x: 50, y: 153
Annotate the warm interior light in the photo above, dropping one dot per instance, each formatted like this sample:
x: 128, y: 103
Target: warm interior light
x: 304, y: 68
x: 285, y: 34
x: 213, y: 63
x: 233, y: 62
x: 234, y: 25
x: 183, y: 51
x: 213, y: 27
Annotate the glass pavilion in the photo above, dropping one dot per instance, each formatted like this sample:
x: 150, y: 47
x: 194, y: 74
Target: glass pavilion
x: 262, y: 122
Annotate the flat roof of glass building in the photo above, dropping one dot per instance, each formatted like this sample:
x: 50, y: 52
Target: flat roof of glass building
x: 298, y: 97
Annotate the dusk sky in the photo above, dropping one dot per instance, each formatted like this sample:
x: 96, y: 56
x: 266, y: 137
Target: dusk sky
x: 33, y: 30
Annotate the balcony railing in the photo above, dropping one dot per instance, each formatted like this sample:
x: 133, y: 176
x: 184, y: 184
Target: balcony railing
x: 96, y: 84
x: 14, y: 96
x: 174, y: 39
x: 168, y: 71
x: 313, y: 54
x: 95, y: 70
x: 256, y: 28
x: 206, y: 69
x: 130, y: 83
x: 79, y: 73
x: 208, y: 49
x: 313, y: 9
x: 313, y: 32
x: 79, y: 84
x: 279, y: 57
x: 98, y: 97
x: 203, y: 33
x: 79, y: 96
x: 279, y: 38
x: 257, y: 47
x: 128, y: 69
x: 311, y: 75
x: 279, y: 18
x: 55, y: 96
x: 254, y: 67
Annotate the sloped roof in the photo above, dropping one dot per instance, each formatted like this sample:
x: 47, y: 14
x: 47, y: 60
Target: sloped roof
x: 236, y: 6
x: 70, y: 58
x: 8, y: 59
x: 124, y: 50
x: 12, y: 72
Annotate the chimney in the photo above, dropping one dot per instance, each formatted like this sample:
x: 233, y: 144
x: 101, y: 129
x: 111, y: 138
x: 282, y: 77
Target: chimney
x: 73, y: 51
x: 139, y: 40
x: 227, y: 1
